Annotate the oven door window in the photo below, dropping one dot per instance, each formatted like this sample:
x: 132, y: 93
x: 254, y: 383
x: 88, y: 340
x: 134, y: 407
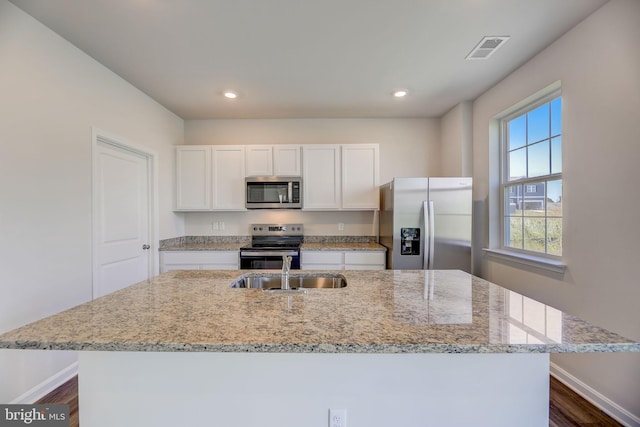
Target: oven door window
x: 266, y: 262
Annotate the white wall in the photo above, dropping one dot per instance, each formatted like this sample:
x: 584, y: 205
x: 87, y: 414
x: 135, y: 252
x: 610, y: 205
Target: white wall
x: 598, y: 63
x: 457, y: 140
x: 51, y: 96
x: 408, y: 147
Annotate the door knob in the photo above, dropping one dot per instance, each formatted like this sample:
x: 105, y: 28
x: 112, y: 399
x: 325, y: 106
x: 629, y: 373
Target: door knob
x: 145, y: 247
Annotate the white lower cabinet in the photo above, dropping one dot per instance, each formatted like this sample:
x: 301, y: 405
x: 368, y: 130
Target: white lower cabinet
x: 199, y: 260
x: 364, y: 260
x: 343, y: 260
x: 322, y: 260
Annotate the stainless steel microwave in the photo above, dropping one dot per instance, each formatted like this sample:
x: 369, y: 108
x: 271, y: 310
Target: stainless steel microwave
x: 272, y: 192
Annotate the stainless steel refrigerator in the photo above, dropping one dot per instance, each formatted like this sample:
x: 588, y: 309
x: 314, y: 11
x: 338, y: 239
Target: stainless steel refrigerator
x: 425, y: 223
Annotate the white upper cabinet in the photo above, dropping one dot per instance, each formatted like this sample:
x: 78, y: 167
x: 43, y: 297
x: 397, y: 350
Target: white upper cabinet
x: 360, y: 176
x: 228, y: 177
x: 321, y: 177
x: 259, y: 160
x: 210, y: 177
x: 286, y: 160
x: 334, y: 177
x: 273, y: 160
x: 193, y: 177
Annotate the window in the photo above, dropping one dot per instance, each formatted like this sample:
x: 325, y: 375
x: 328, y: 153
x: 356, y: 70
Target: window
x: 532, y: 177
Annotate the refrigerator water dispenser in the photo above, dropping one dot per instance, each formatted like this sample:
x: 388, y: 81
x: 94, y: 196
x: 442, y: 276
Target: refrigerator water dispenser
x: 410, y: 241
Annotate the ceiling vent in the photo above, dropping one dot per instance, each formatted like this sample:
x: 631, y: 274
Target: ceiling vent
x: 487, y: 46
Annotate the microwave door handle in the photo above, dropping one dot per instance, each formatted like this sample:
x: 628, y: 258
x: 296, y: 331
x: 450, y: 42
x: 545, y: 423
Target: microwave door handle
x: 290, y: 192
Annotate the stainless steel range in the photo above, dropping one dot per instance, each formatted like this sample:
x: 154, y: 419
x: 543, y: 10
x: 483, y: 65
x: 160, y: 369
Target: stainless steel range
x: 269, y: 243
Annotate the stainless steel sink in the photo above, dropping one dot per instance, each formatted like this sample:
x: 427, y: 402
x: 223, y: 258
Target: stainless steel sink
x: 296, y: 281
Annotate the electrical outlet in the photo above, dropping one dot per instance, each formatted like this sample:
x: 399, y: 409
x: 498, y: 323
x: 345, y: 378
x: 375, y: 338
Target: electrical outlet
x: 221, y: 225
x: 337, y: 418
x: 341, y: 226
x: 214, y: 225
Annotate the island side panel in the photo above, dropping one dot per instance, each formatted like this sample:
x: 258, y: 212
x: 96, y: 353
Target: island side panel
x: 269, y: 390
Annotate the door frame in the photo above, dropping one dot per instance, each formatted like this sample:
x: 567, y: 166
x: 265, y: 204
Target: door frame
x: 100, y: 136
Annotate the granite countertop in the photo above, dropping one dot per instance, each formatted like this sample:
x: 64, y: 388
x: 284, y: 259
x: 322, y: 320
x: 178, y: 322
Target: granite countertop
x: 378, y: 312
x: 204, y: 243
x: 233, y: 243
x: 204, y: 246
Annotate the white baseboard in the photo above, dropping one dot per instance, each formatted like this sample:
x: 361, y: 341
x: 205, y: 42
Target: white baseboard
x: 47, y: 386
x: 605, y: 404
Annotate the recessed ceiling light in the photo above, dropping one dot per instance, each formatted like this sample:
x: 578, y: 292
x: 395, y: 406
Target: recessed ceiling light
x: 231, y: 95
x: 400, y: 93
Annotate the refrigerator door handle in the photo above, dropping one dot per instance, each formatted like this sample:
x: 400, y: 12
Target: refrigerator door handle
x: 425, y: 237
x: 429, y: 243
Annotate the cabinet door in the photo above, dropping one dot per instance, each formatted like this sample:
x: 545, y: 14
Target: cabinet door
x: 321, y: 177
x: 322, y: 260
x: 222, y: 260
x: 259, y: 160
x: 360, y: 176
x: 199, y: 260
x: 364, y: 260
x: 228, y: 177
x: 193, y: 177
x: 286, y: 160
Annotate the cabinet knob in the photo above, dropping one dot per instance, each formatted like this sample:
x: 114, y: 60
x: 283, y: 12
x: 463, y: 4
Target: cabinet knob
x: 145, y: 247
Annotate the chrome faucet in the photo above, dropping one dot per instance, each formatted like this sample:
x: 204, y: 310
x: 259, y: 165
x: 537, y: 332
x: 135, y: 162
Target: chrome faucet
x: 286, y: 267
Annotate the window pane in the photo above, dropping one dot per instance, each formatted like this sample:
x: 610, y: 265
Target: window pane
x: 532, y: 156
x: 554, y: 198
x: 554, y: 236
x: 538, y: 124
x: 534, y: 199
x: 517, y: 132
x: 556, y: 116
x: 513, y: 200
x: 513, y: 232
x: 556, y: 154
x: 517, y: 164
x: 538, y: 159
x: 534, y: 234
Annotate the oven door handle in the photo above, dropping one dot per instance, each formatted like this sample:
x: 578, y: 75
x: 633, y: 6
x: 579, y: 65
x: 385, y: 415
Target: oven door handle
x: 268, y: 253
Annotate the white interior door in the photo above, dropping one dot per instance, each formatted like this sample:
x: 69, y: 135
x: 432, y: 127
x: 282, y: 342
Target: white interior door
x: 121, y: 217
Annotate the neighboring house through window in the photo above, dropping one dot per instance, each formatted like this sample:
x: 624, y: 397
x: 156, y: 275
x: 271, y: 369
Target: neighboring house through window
x: 531, y: 180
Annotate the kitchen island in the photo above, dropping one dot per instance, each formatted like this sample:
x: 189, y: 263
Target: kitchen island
x: 409, y: 348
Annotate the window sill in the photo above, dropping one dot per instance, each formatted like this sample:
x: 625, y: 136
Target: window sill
x: 526, y: 259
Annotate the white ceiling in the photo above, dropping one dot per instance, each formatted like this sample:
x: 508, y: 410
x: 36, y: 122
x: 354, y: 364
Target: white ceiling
x: 308, y: 58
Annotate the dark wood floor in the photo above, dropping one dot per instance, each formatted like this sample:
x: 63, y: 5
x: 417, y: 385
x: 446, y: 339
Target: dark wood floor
x: 66, y: 394
x: 566, y: 408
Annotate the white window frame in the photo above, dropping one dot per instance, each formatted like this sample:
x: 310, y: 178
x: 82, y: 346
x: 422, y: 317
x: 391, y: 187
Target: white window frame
x: 499, y: 250
x: 525, y: 182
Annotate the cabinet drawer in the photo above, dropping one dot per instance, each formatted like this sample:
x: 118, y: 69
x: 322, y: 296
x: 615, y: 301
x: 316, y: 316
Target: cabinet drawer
x: 233, y: 266
x: 322, y: 266
x: 366, y: 258
x: 201, y: 257
x: 364, y: 267
x: 322, y: 257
